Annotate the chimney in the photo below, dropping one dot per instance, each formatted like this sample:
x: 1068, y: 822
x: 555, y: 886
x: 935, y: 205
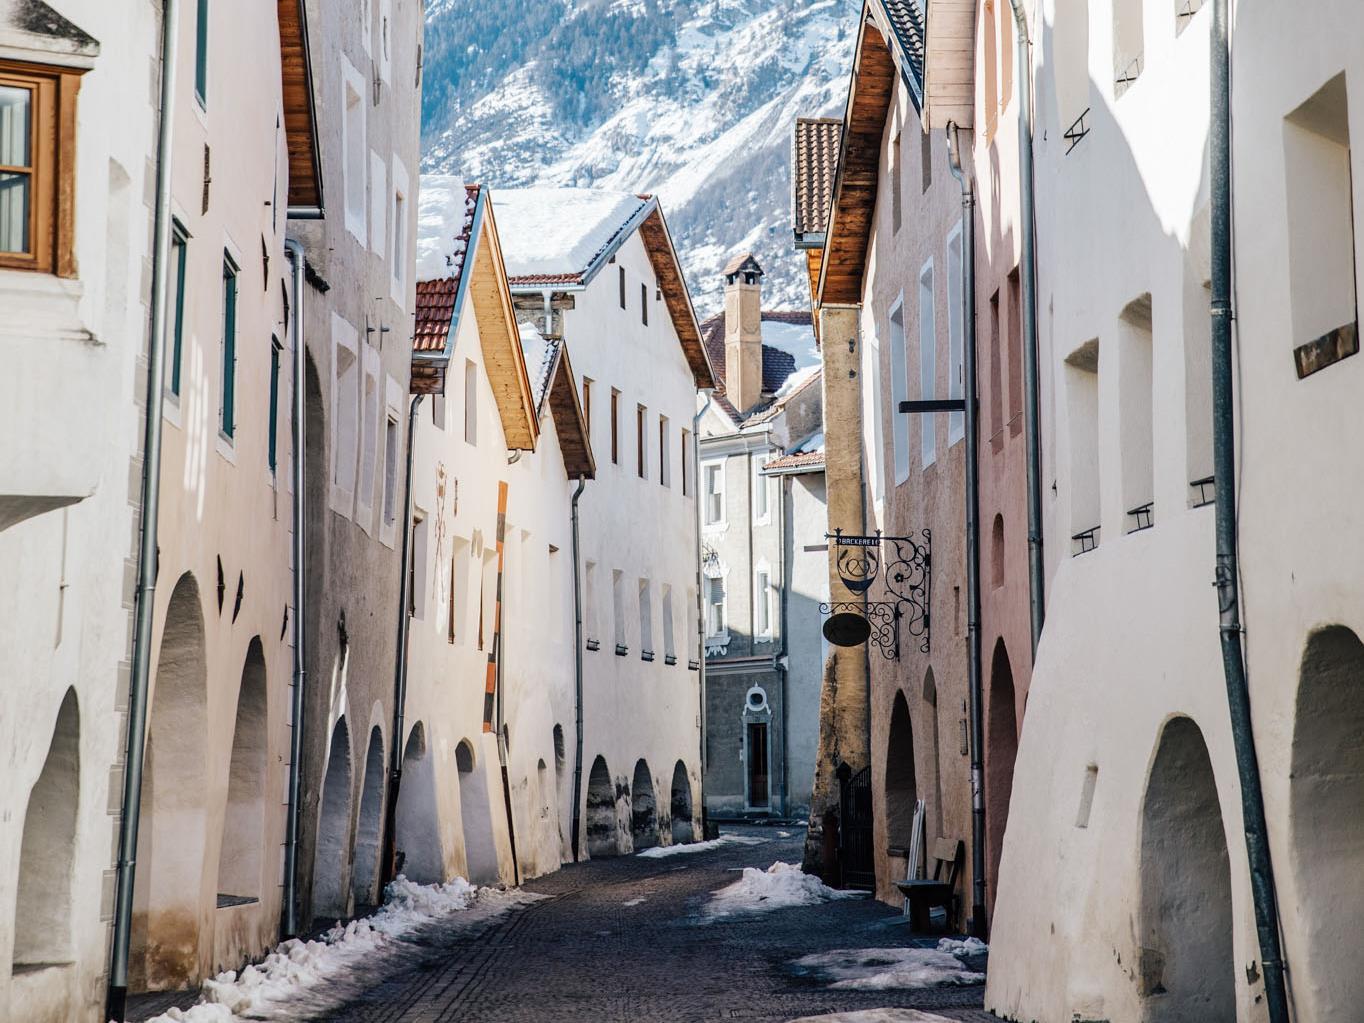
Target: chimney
x: 743, y: 332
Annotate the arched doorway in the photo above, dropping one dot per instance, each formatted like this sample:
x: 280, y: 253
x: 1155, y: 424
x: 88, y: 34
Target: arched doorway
x: 547, y: 837
x: 1001, y: 750
x: 171, y: 838
x: 42, y: 909
x: 643, y: 808
x: 683, y: 829
x: 369, y: 825
x: 1326, y: 815
x: 1185, y: 967
x: 475, y: 814
x: 902, y: 790
x: 416, y: 823
x: 333, y: 829
x: 241, y: 854
x: 602, y: 832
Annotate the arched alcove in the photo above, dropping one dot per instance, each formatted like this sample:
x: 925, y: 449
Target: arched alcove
x: 333, y: 829
x: 170, y: 848
x: 1001, y: 750
x: 602, y: 831
x: 643, y: 808
x: 475, y: 814
x: 931, y: 710
x: 1185, y: 970
x: 416, y: 822
x: 1326, y: 814
x: 680, y: 804
x: 241, y: 854
x: 42, y: 909
x: 364, y: 872
x: 902, y: 790
x: 997, y: 552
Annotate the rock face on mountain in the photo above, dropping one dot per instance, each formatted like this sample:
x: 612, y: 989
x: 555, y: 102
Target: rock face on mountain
x: 693, y: 100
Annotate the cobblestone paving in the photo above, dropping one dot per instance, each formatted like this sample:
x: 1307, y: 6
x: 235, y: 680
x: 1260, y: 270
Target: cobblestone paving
x: 581, y: 955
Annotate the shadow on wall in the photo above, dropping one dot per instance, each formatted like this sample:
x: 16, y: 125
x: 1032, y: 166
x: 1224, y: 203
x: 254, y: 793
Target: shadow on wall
x: 602, y: 831
x: 333, y: 830
x: 643, y: 809
x: 369, y: 826
x: 683, y: 827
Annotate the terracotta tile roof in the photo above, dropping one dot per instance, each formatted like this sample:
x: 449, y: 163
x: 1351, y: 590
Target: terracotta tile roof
x: 906, y: 19
x: 435, y: 310
x: 800, y: 460
x: 763, y: 413
x: 573, y: 278
x: 816, y: 158
x: 777, y: 364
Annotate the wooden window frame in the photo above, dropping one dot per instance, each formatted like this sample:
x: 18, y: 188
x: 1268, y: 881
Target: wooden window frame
x: 227, y: 392
x: 615, y: 427
x: 52, y: 171
x: 179, y: 253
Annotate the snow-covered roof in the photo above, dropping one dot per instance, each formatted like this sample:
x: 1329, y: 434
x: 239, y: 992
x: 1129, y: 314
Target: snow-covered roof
x: 539, y: 353
x: 445, y: 218
x: 558, y: 233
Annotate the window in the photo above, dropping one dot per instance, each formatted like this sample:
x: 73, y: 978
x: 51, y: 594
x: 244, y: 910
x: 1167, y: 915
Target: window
x: 622, y: 287
x: 1006, y: 53
x: 990, y: 59
x: 347, y: 405
x: 1082, y: 412
x: 715, y: 608
x: 272, y: 441
x: 644, y: 304
x: 1135, y: 411
x: 37, y: 182
x: 587, y: 407
x: 179, y: 255
x: 1321, y: 241
x: 896, y: 200
x: 1127, y: 44
x: 416, y: 576
x: 663, y: 474
x: 669, y: 649
x: 997, y: 552
x: 399, y: 256
x: 761, y: 491
x: 1071, y: 48
x: 369, y: 440
x: 353, y: 148
x: 390, y: 470
x: 1184, y: 12
x: 641, y: 442
x: 385, y: 51
x: 615, y: 427
x: 684, y: 461
x: 401, y: 233
x: 646, y: 619
x: 201, y: 53
x: 470, y: 401
x: 928, y: 371
x: 378, y: 207
x: 590, y: 604
x: 956, y: 375
x: 899, y: 391
x: 618, y: 606
x: 715, y: 493
x: 925, y: 160
x: 762, y: 602
x: 227, y: 424
x: 1014, y: 318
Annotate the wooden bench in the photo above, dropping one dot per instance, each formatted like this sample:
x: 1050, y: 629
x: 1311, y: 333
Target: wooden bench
x: 924, y: 894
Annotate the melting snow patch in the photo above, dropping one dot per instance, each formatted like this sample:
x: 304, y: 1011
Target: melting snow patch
x: 659, y: 851
x: 780, y: 886
x: 876, y: 1016
x: 263, y: 990
x: 878, y: 969
x: 632, y: 902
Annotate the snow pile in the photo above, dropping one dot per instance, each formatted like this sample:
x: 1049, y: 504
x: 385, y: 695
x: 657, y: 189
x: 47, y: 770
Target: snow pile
x: 780, y: 886
x: 876, y: 1016
x: 539, y: 355
x: 445, y: 217
x: 558, y: 230
x: 659, y: 851
x: 797, y: 380
x: 879, y: 969
x: 296, y: 965
x: 795, y: 339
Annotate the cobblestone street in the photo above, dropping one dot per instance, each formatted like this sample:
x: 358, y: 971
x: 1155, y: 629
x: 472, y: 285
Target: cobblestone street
x: 619, y: 940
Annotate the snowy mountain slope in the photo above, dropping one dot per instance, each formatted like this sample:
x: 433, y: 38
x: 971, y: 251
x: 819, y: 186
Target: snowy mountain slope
x: 691, y: 99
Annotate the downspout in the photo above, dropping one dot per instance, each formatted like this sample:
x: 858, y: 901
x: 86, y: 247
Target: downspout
x: 395, y: 742
x: 577, y: 670
x: 294, y: 251
x: 700, y: 604
x: 783, y: 488
x: 1028, y: 273
x: 117, y: 993
x: 1227, y: 580
x: 968, y: 275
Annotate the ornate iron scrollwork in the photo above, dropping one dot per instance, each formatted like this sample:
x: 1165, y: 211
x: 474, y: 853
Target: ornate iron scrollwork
x: 904, y: 563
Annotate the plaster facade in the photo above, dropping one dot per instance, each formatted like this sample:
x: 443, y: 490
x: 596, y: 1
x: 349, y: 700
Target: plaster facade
x: 73, y: 351
x: 358, y: 311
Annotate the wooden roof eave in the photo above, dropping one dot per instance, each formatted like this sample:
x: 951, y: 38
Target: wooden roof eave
x: 870, y: 90
x: 949, y: 95
x: 658, y: 243
x: 500, y: 337
x: 305, y: 196
x: 575, y: 443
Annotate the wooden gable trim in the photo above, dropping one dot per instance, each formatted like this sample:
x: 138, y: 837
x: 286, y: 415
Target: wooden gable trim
x: 949, y: 62
x: 570, y: 425
x: 843, y: 262
x: 659, y: 244
x: 300, y: 115
x: 503, y: 359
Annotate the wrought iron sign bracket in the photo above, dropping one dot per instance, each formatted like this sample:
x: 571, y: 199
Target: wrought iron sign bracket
x: 904, y: 564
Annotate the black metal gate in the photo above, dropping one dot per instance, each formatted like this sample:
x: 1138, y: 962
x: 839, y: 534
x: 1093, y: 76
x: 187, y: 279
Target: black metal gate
x: 854, y: 831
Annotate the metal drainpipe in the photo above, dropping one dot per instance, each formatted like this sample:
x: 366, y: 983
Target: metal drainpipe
x: 968, y: 275
x: 700, y: 606
x: 117, y: 994
x: 395, y: 743
x: 1262, y: 887
x: 781, y: 665
x: 1028, y: 272
x: 294, y: 251
x: 577, y: 671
